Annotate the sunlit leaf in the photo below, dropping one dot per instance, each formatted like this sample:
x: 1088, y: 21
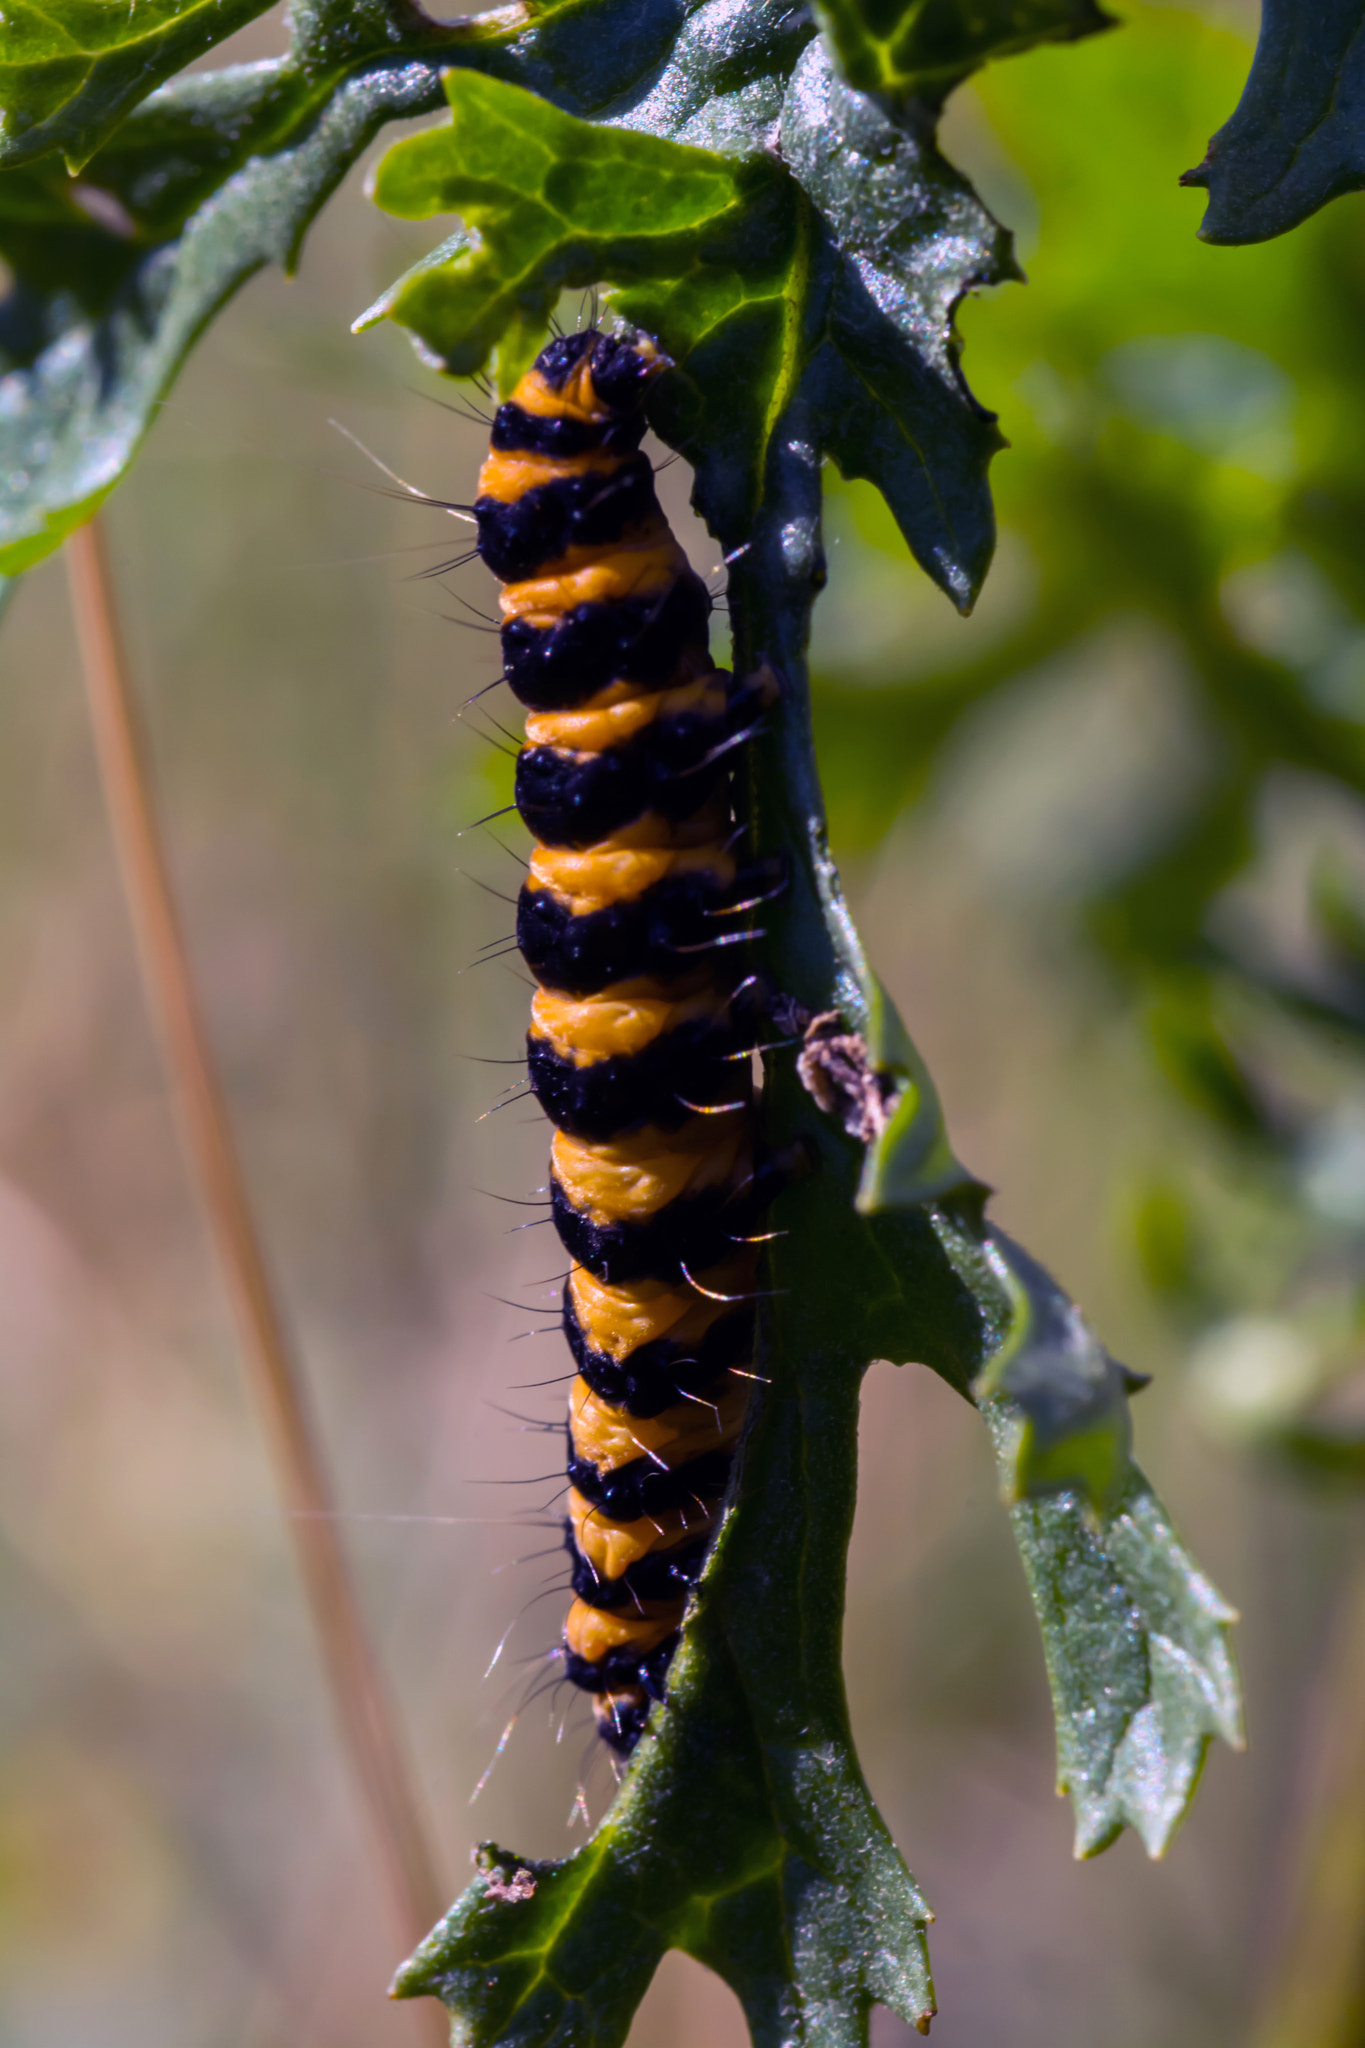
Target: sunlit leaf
x: 764, y: 304
x: 910, y: 1160
x: 555, y: 202
x: 72, y: 70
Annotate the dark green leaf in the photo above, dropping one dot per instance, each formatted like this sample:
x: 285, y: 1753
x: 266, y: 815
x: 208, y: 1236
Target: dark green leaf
x: 112, y: 287
x: 725, y: 78
x: 928, y: 46
x: 905, y: 239
x: 1140, y: 1671
x: 1136, y: 1641
x: 1297, y: 137
x: 72, y: 70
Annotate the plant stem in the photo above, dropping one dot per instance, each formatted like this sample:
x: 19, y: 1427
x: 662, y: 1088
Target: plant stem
x: 1316, y: 1999
x: 358, y: 1692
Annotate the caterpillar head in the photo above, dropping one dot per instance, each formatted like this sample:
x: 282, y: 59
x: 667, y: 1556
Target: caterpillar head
x: 619, y: 367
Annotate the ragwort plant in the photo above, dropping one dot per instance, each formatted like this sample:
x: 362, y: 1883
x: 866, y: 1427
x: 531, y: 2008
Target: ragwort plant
x: 756, y: 185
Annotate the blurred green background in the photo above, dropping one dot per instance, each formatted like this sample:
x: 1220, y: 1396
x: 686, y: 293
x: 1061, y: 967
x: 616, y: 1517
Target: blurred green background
x: 1105, y: 841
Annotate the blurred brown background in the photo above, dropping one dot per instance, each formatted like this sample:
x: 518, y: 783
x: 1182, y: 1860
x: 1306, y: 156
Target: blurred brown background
x: 182, y: 1863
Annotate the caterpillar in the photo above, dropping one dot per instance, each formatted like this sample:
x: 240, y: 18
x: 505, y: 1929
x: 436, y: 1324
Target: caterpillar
x: 641, y: 1034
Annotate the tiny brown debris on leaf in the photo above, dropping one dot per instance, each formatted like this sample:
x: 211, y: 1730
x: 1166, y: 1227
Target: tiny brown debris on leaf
x: 834, y: 1067
x: 520, y: 1885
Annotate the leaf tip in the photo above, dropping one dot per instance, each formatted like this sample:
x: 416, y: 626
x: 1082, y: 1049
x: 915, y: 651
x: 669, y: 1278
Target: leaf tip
x: 372, y: 315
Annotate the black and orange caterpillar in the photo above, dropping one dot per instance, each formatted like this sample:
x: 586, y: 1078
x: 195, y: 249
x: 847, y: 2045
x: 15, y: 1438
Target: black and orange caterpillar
x: 631, y: 921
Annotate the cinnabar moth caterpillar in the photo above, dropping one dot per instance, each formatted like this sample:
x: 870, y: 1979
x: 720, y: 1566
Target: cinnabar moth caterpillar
x: 637, y: 1040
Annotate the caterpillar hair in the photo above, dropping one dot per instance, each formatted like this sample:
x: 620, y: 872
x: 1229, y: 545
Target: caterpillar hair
x: 632, y: 921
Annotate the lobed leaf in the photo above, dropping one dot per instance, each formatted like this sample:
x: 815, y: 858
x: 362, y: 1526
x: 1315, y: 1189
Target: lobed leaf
x: 829, y: 287
x: 1297, y: 136
x: 929, y: 46
x: 1138, y: 1658
x: 905, y: 238
x: 1135, y: 1638
x: 549, y: 202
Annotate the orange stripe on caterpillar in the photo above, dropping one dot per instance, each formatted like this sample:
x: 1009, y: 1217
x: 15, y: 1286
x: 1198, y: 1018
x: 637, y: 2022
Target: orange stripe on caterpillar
x: 617, y: 713
x: 593, y: 1634
x: 617, y: 870
x: 611, y: 1548
x: 620, y: 1319
x: 644, y: 564
x: 508, y: 474
x: 626, y: 1179
x: 622, y: 1021
x: 609, y: 1438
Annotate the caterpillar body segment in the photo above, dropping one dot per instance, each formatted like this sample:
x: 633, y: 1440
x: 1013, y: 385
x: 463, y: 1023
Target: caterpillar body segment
x: 633, y: 921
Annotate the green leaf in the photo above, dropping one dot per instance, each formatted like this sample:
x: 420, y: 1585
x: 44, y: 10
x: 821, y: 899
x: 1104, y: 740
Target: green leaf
x: 1068, y: 1399
x: 1134, y: 1636
x: 1297, y: 137
x: 828, y: 289
x: 551, y: 202
x: 1140, y: 1670
x: 1136, y: 1642
x: 910, y: 1161
x: 117, y: 273
x: 72, y: 70
x: 928, y: 46
x: 212, y: 178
